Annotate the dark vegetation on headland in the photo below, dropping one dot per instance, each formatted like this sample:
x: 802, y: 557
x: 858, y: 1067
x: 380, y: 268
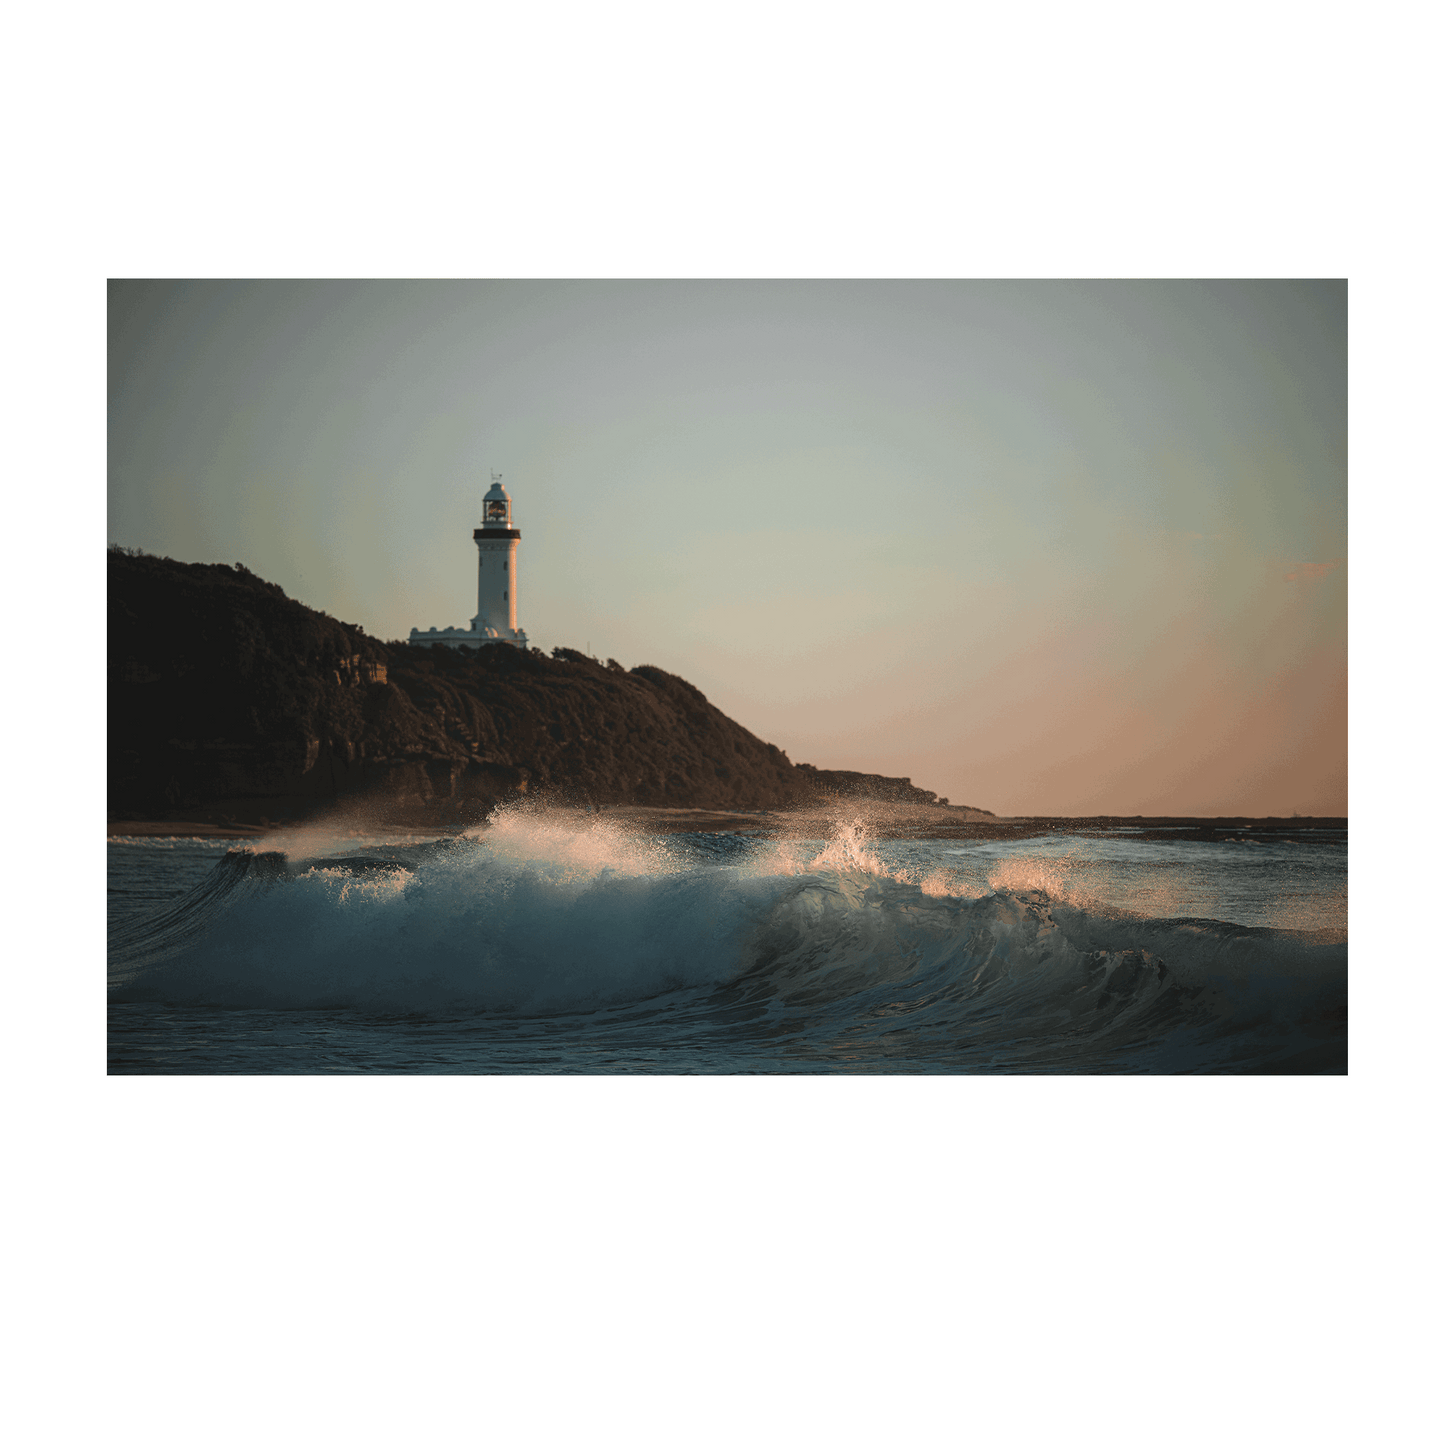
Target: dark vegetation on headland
x: 230, y: 700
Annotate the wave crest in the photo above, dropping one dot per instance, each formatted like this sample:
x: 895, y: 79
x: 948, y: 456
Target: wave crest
x: 823, y: 949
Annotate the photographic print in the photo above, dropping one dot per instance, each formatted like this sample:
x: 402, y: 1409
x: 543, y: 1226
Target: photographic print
x: 729, y: 725
x: 722, y: 677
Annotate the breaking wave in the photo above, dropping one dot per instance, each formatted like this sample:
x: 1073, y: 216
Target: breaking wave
x: 817, y: 958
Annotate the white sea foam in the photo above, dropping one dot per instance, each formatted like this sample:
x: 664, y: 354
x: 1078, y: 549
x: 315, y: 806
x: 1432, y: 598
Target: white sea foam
x: 832, y: 941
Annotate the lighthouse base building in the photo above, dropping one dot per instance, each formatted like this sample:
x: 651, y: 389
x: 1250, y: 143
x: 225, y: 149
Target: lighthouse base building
x: 496, y: 619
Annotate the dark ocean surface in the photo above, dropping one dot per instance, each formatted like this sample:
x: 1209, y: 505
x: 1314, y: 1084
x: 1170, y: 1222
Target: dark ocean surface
x: 558, y: 946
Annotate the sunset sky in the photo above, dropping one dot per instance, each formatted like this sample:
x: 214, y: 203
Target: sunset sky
x: 1043, y: 547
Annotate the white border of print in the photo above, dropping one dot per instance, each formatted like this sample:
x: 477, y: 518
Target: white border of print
x: 85, y: 1097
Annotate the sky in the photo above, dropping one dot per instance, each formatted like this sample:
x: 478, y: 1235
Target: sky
x: 1044, y: 547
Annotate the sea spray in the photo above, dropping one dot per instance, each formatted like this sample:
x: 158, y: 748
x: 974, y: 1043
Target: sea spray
x: 837, y: 952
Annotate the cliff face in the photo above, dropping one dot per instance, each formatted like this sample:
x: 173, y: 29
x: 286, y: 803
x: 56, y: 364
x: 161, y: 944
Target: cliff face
x: 226, y: 695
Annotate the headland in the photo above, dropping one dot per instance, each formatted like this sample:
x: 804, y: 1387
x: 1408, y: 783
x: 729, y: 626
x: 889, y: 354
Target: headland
x: 234, y: 708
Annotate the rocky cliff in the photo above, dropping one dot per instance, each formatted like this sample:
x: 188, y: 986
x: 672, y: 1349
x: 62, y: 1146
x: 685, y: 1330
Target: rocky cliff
x: 228, y: 698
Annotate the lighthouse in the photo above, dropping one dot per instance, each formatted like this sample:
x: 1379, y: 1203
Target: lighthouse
x: 496, y: 619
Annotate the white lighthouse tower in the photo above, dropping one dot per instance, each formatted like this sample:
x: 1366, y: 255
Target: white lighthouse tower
x: 496, y: 619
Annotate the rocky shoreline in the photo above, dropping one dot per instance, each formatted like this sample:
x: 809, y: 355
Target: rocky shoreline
x: 234, y: 706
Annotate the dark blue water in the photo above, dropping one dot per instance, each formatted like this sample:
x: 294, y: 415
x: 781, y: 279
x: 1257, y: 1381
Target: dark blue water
x: 563, y: 946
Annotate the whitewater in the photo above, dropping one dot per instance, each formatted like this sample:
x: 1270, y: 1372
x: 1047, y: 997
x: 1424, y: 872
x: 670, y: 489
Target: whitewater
x: 565, y: 943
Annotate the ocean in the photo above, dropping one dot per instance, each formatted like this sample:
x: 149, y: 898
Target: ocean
x: 562, y: 943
